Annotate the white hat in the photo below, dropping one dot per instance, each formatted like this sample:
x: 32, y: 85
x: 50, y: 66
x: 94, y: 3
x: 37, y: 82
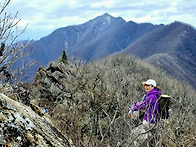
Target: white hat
x: 150, y: 82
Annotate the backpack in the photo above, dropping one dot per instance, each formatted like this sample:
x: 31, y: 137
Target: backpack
x: 164, y: 102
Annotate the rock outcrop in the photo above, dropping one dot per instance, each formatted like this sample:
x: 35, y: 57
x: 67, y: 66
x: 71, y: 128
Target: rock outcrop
x: 21, y: 126
x: 52, y: 84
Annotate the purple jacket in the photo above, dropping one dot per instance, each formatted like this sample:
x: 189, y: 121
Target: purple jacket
x: 150, y: 106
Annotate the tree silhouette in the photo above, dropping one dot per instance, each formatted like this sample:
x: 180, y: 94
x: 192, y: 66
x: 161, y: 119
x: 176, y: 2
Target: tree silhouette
x: 63, y: 58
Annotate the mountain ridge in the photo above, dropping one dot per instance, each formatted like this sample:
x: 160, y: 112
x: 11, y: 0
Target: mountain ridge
x: 178, y: 41
x: 106, y: 35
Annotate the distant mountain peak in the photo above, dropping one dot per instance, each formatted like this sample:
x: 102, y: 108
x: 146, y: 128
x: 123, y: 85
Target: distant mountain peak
x: 105, y: 35
x: 106, y: 15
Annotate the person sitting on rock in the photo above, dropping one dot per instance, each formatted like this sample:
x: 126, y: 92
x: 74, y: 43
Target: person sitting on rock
x: 149, y: 104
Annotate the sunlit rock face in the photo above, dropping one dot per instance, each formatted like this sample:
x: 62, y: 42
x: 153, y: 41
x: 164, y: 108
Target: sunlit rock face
x: 21, y: 126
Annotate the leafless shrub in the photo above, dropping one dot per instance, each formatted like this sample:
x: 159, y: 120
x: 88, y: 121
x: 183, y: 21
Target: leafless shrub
x: 102, y: 93
x: 12, y: 68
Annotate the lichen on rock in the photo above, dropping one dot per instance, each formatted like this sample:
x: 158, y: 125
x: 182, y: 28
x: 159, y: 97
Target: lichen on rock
x: 21, y: 126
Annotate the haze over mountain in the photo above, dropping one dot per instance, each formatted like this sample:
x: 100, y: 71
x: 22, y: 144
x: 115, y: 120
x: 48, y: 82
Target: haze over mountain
x: 171, y: 46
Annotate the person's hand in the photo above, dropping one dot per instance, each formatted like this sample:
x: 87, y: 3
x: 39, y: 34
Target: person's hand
x: 135, y: 115
x: 137, y: 104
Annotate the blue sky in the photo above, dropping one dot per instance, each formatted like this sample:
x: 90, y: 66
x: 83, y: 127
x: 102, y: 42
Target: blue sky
x: 44, y: 16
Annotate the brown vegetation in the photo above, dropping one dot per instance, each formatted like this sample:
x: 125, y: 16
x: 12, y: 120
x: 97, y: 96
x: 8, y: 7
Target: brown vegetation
x: 92, y: 105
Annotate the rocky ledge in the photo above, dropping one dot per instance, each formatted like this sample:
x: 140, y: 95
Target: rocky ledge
x: 21, y: 126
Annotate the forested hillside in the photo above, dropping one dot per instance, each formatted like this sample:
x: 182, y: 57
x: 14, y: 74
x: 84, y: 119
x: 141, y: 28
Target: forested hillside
x: 91, y: 101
